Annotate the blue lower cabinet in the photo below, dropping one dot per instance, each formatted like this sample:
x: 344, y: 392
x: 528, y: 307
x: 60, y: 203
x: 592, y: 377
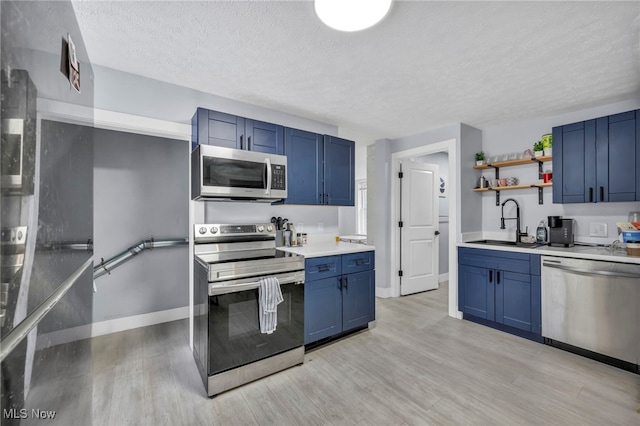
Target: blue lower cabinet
x: 357, y: 297
x: 336, y: 303
x: 513, y: 300
x: 506, y: 297
x: 475, y: 294
x: 322, y: 309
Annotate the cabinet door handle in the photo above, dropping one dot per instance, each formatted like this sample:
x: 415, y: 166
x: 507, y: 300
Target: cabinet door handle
x: 249, y: 142
x: 359, y: 262
x: 490, y: 276
x: 241, y: 141
x: 602, y: 193
x: 323, y: 268
x: 497, y: 277
x: 340, y: 283
x: 328, y: 198
x: 590, y: 195
x: 346, y: 282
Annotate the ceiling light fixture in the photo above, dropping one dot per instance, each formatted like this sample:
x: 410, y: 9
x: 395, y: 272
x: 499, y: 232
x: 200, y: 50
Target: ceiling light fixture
x: 351, y: 15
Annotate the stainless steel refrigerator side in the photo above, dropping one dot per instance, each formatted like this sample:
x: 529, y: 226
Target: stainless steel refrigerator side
x: 53, y: 200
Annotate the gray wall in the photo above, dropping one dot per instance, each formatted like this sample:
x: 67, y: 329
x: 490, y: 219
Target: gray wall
x: 141, y: 190
x: 520, y: 135
x: 132, y: 94
x: 468, y: 141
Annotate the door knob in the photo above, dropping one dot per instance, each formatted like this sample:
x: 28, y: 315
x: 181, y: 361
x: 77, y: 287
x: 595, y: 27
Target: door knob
x: 437, y: 233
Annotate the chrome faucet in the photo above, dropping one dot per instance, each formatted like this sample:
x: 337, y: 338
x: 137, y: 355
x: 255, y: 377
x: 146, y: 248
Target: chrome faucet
x: 517, y: 219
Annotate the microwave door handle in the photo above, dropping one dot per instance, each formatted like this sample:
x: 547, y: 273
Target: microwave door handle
x: 268, y: 162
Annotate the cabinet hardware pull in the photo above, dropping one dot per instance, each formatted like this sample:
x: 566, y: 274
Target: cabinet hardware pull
x: 340, y: 283
x: 346, y: 282
x: 490, y: 276
x: 602, y: 193
x: 359, y: 262
x: 323, y: 268
x: 590, y: 195
x: 240, y: 141
x: 497, y: 277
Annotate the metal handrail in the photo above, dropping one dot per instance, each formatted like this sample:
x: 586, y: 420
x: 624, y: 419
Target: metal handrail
x: 106, y: 266
x: 21, y: 331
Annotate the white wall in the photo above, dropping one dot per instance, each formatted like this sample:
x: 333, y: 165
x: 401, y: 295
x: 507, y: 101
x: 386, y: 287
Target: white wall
x: 518, y: 136
x: 314, y: 220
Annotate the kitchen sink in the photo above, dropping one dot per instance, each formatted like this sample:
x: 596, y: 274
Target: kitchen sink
x: 506, y: 243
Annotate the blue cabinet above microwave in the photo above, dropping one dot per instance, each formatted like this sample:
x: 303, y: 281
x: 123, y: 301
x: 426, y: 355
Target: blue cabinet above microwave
x: 320, y: 170
x: 231, y: 131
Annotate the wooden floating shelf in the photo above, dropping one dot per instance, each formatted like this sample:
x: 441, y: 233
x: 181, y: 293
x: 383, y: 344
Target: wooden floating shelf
x: 507, y: 188
x: 510, y: 163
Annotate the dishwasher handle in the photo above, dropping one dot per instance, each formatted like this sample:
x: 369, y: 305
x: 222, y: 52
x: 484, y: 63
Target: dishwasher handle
x: 590, y: 272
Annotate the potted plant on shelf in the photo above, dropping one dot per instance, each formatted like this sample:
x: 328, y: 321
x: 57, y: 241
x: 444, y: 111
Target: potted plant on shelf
x: 479, y: 158
x: 547, y: 143
x: 538, y: 149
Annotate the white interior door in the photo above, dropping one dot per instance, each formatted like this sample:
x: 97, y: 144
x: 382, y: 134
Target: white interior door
x: 418, y: 234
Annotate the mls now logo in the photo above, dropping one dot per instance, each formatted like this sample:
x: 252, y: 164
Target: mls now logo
x: 23, y: 413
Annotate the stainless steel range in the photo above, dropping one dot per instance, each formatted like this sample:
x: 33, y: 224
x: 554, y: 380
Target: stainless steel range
x: 229, y: 348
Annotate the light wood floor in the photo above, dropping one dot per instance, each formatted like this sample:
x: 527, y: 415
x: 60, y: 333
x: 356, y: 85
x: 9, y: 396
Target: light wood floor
x: 414, y: 366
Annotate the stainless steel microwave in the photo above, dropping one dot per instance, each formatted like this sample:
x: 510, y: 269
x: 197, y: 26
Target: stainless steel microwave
x: 224, y: 174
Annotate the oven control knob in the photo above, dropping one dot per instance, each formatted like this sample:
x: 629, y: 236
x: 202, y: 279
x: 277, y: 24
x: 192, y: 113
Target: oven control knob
x: 269, y: 228
x: 214, y: 230
x: 260, y: 228
x: 202, y: 230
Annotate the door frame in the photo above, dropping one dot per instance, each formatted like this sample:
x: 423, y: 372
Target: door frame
x: 449, y: 146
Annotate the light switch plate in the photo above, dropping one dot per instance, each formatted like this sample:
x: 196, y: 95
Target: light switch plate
x: 597, y: 229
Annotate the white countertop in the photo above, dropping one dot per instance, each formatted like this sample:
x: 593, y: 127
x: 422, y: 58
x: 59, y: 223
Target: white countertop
x: 328, y: 248
x: 579, y: 252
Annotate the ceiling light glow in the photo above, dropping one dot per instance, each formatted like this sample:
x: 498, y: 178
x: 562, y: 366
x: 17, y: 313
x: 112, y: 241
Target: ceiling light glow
x: 351, y: 15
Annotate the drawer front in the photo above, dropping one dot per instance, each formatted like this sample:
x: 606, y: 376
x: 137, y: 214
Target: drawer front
x: 495, y: 259
x: 317, y: 268
x: 357, y: 262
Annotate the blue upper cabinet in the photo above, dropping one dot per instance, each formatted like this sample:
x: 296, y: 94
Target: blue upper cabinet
x: 264, y: 137
x: 320, y: 169
x: 597, y: 160
x: 339, y: 173
x: 304, y: 167
x: 230, y: 131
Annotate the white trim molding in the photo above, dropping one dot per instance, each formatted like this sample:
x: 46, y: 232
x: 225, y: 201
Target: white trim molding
x: 110, y: 326
x: 111, y: 120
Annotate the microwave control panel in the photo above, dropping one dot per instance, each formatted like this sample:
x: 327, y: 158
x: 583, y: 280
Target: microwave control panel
x: 278, y: 177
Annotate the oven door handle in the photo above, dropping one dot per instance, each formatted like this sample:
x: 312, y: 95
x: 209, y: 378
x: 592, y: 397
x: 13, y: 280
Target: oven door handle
x: 215, y: 290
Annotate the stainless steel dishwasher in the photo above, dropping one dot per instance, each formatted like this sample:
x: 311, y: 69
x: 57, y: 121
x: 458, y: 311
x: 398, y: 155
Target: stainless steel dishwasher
x: 593, y: 308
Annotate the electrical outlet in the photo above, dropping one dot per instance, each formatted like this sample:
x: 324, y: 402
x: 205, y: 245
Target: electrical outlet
x: 597, y: 229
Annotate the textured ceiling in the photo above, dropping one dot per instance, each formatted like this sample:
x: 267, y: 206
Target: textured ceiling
x: 426, y: 65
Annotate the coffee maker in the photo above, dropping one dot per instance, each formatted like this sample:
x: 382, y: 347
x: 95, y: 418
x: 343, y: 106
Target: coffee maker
x: 561, y: 231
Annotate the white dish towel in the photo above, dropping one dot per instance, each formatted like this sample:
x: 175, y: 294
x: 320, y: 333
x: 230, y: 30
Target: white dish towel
x: 270, y: 297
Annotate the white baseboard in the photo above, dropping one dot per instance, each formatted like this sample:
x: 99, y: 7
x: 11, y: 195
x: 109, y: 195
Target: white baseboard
x: 383, y: 293
x: 110, y: 326
x: 443, y: 277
